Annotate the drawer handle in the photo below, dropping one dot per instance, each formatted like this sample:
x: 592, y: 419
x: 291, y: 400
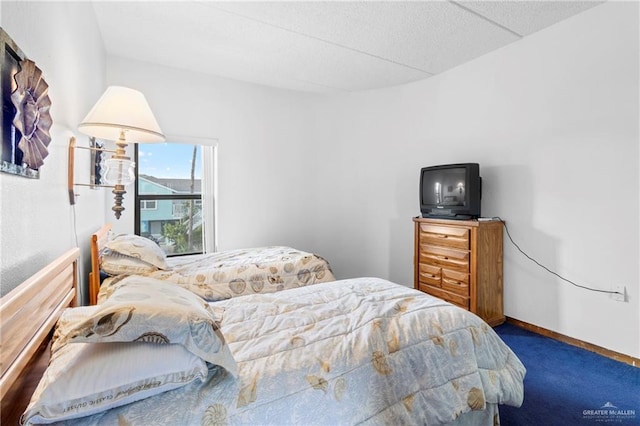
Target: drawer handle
x: 443, y: 236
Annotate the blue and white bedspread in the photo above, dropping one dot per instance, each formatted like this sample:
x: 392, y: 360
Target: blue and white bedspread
x: 357, y: 351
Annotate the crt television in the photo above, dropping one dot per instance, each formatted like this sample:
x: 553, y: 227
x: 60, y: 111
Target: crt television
x: 451, y: 191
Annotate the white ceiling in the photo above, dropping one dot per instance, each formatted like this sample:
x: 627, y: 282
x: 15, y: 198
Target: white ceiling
x: 329, y: 46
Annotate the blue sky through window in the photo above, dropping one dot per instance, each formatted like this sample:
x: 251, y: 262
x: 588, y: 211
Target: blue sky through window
x: 168, y: 160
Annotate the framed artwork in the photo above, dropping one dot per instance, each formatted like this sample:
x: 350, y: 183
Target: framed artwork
x: 25, y: 116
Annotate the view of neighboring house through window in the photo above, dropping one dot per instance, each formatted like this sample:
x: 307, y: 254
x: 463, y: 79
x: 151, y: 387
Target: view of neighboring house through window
x: 148, y: 205
x: 169, y: 196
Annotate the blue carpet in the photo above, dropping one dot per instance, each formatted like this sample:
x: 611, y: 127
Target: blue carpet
x: 566, y: 385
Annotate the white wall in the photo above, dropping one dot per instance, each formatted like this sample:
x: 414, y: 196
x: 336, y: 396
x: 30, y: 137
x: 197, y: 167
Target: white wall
x: 264, y: 149
x: 553, y: 122
x: 36, y: 219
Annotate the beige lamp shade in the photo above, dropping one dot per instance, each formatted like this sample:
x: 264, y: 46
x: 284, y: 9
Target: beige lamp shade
x: 122, y: 109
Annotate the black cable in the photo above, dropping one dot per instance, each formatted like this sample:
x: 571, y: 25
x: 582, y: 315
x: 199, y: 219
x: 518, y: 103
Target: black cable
x: 547, y: 269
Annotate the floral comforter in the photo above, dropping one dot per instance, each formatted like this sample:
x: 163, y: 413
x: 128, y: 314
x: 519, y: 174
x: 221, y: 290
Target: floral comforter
x: 233, y: 273
x: 357, y: 351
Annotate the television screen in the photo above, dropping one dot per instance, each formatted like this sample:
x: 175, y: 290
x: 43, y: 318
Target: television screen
x: 445, y: 187
x: 451, y: 191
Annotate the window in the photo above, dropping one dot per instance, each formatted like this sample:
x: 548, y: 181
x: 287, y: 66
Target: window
x: 180, y: 208
x: 171, y: 193
x: 148, y: 204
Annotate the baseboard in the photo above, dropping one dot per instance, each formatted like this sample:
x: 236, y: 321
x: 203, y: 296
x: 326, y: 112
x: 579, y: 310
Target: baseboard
x: 627, y: 359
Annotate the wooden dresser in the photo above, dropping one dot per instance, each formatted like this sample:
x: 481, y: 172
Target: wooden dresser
x: 460, y: 261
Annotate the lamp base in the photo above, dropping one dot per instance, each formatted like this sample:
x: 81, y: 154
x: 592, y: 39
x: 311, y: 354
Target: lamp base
x: 117, y: 208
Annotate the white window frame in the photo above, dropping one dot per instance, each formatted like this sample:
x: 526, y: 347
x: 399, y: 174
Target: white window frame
x: 209, y: 187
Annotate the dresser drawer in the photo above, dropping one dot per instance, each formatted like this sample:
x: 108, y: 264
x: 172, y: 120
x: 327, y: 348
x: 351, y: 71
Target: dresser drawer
x: 456, y: 299
x: 445, y: 236
x: 429, y: 274
x: 456, y: 260
x: 455, y: 282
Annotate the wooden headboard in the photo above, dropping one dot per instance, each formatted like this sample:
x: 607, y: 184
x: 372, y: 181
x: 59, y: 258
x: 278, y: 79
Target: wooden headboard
x: 98, y: 240
x: 28, y: 313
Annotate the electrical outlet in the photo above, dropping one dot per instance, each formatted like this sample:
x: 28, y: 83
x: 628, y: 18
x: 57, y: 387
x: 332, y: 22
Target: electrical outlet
x: 621, y: 293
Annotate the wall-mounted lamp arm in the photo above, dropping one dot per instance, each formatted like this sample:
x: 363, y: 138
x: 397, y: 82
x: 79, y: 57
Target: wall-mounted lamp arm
x: 90, y: 185
x: 70, y: 173
x: 90, y: 148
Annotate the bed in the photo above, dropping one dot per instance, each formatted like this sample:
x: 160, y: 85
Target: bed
x: 214, y: 276
x: 357, y: 351
x: 28, y: 313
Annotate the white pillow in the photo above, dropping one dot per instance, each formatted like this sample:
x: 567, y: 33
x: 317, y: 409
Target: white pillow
x: 143, y: 309
x: 113, y: 263
x: 140, y: 248
x: 87, y: 378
